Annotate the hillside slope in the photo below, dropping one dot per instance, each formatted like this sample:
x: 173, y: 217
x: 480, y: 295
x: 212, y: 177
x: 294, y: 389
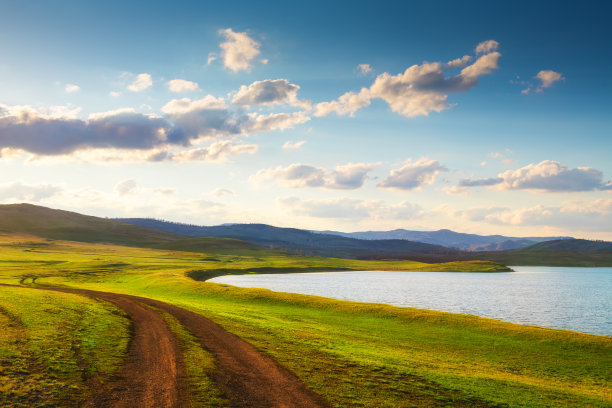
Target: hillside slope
x: 307, y: 242
x: 70, y: 226
x: 451, y: 239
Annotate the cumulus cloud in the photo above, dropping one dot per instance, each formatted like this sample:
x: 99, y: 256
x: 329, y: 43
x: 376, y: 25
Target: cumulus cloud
x: 420, y: 89
x: 25, y: 128
x: 349, y: 208
x: 487, y: 46
x: 185, y: 122
x: 275, y: 121
x: 18, y: 191
x: 548, y: 78
x: 350, y: 176
x: 293, y: 146
x: 238, y: 50
x: 164, y: 191
x: 269, y: 92
x: 142, y: 82
x: 413, y: 175
x: 364, y: 69
x: 71, y: 88
x: 181, y: 85
x: 547, y: 176
x: 459, y: 62
x: 220, y: 192
x: 126, y: 187
x: 218, y: 151
x: 349, y: 103
x: 204, y: 118
x: 572, y: 215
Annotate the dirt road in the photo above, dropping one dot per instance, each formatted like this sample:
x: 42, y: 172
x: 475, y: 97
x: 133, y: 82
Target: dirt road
x: 153, y: 372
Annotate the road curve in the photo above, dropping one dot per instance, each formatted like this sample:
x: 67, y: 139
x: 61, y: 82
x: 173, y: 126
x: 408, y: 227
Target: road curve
x: 153, y: 373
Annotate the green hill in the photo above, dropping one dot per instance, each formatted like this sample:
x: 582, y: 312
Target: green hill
x: 70, y: 226
x: 65, y: 225
x: 562, y: 252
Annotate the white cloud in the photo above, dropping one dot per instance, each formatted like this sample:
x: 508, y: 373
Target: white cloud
x: 331, y: 208
x: 238, y: 51
x: 186, y: 105
x: 18, y: 191
x: 58, y: 130
x: 211, y: 58
x: 126, y: 187
x: 142, y: 82
x: 420, y: 89
x: 61, y: 132
x: 71, y: 88
x: 353, y: 209
x: 349, y: 103
x: 220, y: 192
x: 350, y: 176
x: 364, y: 69
x: 570, y: 215
x: 546, y: 176
x: 217, y: 151
x: 293, y: 146
x: 459, y: 62
x: 269, y: 92
x: 295, y: 175
x: 274, y: 121
x: 487, y: 46
x: 114, y: 94
x: 413, y: 175
x: 181, y: 85
x: 164, y: 191
x: 548, y: 78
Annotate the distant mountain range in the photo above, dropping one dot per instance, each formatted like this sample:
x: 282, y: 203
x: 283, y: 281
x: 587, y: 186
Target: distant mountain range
x: 305, y: 242
x: 281, y: 236
x: 256, y: 239
x: 450, y: 239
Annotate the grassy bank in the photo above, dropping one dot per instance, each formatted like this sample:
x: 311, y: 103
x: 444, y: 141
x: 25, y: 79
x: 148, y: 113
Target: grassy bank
x: 54, y: 347
x: 353, y: 354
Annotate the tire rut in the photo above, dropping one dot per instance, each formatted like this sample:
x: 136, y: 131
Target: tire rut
x: 153, y: 374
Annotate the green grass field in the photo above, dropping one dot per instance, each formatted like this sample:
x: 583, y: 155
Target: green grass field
x: 55, y: 346
x: 353, y: 354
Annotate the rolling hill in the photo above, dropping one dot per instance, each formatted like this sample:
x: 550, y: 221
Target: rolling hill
x: 307, y: 242
x: 451, y: 239
x: 255, y: 238
x: 65, y: 225
x: 560, y: 252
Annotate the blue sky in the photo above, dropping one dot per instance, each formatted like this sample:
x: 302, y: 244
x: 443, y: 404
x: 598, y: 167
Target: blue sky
x: 482, y: 117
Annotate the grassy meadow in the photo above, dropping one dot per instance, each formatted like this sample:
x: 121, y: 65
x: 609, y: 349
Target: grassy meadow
x: 55, y: 346
x: 353, y: 354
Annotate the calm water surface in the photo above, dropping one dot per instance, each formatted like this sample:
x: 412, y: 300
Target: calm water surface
x: 577, y: 299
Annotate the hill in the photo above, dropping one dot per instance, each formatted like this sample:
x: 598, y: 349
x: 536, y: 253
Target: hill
x: 307, y: 242
x: 562, y: 252
x: 451, y: 239
x: 70, y: 226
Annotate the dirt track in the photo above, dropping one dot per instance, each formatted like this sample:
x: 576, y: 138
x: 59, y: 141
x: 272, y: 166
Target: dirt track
x: 152, y: 375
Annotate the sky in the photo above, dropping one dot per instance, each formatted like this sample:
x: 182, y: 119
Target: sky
x: 481, y: 117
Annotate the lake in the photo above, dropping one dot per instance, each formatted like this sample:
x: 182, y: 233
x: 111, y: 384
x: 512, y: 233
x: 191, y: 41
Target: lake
x: 577, y: 299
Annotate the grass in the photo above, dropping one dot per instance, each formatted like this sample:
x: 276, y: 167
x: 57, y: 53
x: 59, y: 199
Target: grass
x: 199, y: 367
x: 55, y: 346
x: 353, y: 354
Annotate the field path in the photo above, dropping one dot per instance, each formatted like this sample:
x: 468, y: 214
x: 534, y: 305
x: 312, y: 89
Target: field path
x: 152, y: 375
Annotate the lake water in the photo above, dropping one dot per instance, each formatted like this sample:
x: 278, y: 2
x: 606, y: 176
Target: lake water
x: 577, y: 299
